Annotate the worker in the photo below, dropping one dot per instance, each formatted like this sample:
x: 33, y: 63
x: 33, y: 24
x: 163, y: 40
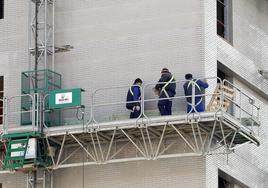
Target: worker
x: 199, y: 85
x: 133, y: 99
x: 166, y: 89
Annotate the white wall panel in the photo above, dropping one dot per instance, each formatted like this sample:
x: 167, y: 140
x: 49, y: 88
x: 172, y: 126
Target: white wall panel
x: 170, y: 173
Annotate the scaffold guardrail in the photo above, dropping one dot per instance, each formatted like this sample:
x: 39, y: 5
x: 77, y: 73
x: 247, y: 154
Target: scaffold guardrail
x: 102, y: 128
x: 108, y: 105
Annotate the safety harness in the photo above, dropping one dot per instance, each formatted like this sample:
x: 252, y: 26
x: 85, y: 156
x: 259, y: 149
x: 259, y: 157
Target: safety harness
x: 193, y: 83
x: 164, y: 87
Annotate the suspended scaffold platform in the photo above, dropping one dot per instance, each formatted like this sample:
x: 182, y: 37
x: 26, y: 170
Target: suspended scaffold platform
x: 227, y: 124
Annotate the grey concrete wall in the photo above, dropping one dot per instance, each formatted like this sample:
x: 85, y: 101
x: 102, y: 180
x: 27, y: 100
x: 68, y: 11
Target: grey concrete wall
x: 14, y: 47
x: 244, y: 58
x: 210, y: 47
x: 258, y: 154
x: 250, y: 30
x: 177, y: 172
x: 238, y: 167
x: 248, y: 163
x: 13, y: 60
x: 13, y: 44
x: 118, y: 41
x: 13, y: 180
x: 249, y: 51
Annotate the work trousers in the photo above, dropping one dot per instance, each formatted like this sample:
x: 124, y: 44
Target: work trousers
x: 165, y: 107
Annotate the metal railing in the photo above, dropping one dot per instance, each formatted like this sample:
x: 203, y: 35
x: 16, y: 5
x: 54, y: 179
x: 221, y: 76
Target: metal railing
x: 108, y: 104
x: 244, y: 107
x: 1, y: 107
x: 14, y: 114
x: 180, y: 100
x: 105, y: 100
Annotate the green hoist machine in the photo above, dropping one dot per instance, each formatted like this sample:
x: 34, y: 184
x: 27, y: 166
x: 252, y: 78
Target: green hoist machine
x: 25, y: 150
x: 30, y: 148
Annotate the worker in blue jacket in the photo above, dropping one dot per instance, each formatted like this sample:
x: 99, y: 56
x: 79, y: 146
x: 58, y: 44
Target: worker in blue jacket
x: 199, y: 86
x: 133, y: 99
x: 166, y: 89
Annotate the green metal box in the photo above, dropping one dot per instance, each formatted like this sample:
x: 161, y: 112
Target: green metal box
x: 65, y: 98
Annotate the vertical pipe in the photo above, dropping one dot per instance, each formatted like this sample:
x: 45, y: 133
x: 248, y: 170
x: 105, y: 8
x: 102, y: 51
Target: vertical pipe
x: 53, y: 34
x: 33, y: 111
x: 5, y: 117
x: 35, y: 179
x: 193, y: 96
x: 37, y: 112
x: 29, y: 34
x: 221, y: 94
x: 32, y: 179
x: 51, y: 180
x: 36, y: 62
x: 252, y: 114
x: 44, y: 179
x: 36, y: 38
x: 240, y: 103
x: 28, y: 180
x: 45, y: 34
x: 41, y: 114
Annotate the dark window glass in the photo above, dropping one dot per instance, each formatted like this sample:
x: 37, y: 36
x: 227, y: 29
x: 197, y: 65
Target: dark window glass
x: 224, y: 19
x: 1, y: 9
x: 223, y: 183
x: 220, y: 17
x: 227, y: 181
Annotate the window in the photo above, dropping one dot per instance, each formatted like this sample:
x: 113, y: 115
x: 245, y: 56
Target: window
x: 1, y: 9
x: 226, y: 181
x: 1, y: 98
x: 224, y: 72
x: 224, y: 19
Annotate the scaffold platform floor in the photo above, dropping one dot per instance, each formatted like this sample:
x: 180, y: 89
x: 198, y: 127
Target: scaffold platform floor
x: 145, y: 138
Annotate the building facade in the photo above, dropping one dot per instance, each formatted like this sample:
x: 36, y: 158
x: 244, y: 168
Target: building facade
x: 114, y: 42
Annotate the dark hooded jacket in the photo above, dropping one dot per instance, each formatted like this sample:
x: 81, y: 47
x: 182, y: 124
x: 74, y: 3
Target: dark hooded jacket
x: 170, y: 88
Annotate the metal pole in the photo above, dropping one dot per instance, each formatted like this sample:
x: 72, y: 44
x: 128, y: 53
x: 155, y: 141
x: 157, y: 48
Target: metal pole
x: 51, y: 180
x: 35, y: 114
x: 53, y: 34
x: 110, y: 146
x: 36, y: 41
x: 160, y: 141
x: 32, y: 179
x: 44, y: 179
x: 29, y: 35
x: 35, y: 179
x: 45, y: 34
x: 5, y: 117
